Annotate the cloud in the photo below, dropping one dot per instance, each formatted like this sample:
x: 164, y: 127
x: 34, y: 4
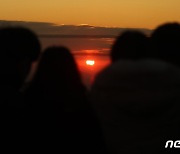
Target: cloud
x: 48, y: 29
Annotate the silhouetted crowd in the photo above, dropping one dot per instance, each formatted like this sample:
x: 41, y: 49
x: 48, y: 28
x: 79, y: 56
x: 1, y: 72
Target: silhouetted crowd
x: 133, y: 106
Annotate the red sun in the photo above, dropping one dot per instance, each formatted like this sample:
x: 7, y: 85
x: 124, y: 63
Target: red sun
x: 90, y: 62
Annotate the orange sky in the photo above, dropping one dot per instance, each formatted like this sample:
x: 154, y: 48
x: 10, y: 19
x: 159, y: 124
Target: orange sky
x: 113, y: 13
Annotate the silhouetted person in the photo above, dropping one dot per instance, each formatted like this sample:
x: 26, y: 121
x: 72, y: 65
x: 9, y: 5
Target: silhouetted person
x: 166, y: 43
x: 58, y: 100
x: 130, y: 45
x: 19, y: 48
x: 137, y: 103
x: 57, y: 79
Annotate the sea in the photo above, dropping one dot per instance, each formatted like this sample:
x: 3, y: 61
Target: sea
x: 91, y: 53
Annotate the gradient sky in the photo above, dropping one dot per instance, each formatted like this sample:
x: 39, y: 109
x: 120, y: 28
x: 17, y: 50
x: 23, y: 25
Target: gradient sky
x: 113, y: 13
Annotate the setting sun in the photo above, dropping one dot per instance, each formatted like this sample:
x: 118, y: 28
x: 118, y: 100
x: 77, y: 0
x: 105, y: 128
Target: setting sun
x: 90, y: 62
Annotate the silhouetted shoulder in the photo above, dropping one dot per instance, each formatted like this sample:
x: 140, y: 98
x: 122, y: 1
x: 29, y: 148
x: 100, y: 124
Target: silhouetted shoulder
x: 138, y: 101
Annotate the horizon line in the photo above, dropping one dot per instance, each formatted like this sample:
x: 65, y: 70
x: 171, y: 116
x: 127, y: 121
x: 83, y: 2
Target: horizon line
x: 75, y: 36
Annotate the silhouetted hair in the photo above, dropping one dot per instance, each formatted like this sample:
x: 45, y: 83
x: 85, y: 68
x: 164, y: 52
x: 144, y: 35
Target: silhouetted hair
x: 58, y: 103
x: 19, y: 43
x: 130, y: 45
x: 19, y: 47
x: 58, y: 76
x: 58, y: 64
x: 166, y: 43
x: 56, y: 89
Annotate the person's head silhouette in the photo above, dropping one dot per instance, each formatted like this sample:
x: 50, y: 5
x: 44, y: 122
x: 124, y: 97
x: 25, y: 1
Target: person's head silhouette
x: 57, y: 75
x: 130, y: 45
x: 19, y: 47
x: 166, y: 43
x: 57, y: 63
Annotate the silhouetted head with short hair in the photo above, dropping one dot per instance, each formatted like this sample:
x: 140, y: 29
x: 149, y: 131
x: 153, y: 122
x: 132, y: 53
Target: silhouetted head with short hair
x: 19, y: 47
x: 130, y: 45
x: 166, y: 43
